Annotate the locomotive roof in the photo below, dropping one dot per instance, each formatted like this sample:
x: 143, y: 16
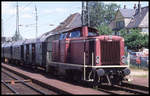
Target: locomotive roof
x: 114, y: 37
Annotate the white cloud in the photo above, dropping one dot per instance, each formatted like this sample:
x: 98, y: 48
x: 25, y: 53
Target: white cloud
x: 57, y: 10
x: 26, y: 16
x: 25, y: 9
x: 47, y: 11
x: 60, y: 10
x: 7, y: 8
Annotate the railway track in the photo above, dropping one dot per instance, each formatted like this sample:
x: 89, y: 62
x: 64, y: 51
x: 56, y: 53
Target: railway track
x: 125, y: 88
x: 14, y: 84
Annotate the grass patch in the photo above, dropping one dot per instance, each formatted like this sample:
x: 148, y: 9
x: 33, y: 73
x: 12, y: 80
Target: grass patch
x: 144, y: 76
x: 138, y: 68
x: 141, y: 76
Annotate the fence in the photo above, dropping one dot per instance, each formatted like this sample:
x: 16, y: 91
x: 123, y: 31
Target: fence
x: 140, y: 62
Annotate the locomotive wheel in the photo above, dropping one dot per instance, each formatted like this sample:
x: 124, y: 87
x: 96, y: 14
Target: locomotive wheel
x: 47, y: 69
x: 34, y: 67
x: 16, y: 62
x: 95, y: 82
x: 9, y: 61
x: 116, y: 80
x: 12, y: 61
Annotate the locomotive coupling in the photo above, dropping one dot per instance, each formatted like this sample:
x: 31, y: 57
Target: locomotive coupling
x: 100, y: 72
x: 126, y: 71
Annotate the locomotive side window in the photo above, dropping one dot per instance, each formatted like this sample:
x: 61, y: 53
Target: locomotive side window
x: 75, y: 34
x: 63, y: 36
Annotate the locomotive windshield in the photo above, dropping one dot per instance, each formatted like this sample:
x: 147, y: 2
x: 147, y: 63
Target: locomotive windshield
x: 92, y: 34
x: 75, y: 34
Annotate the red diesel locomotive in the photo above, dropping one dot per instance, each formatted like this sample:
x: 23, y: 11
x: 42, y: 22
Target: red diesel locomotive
x: 81, y: 54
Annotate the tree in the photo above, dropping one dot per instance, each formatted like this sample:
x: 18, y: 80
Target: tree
x: 134, y: 39
x: 145, y: 41
x: 104, y: 30
x: 96, y: 13
x: 101, y: 13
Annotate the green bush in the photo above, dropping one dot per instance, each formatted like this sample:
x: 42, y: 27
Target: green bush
x: 104, y: 30
x: 134, y: 39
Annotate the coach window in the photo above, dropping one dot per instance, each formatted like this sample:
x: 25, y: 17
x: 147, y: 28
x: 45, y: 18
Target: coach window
x: 75, y: 34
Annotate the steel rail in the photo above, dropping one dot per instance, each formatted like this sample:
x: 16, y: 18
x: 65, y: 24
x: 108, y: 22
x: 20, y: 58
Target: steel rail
x: 129, y: 90
x: 26, y: 84
x: 139, y: 87
x: 120, y: 88
x: 11, y: 88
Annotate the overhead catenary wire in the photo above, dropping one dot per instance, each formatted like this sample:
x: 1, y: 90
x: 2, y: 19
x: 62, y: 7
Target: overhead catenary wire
x: 12, y: 18
x: 29, y: 25
x: 28, y: 30
x: 26, y: 6
x: 15, y: 14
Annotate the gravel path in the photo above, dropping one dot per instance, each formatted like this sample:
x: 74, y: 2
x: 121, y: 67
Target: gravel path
x: 136, y: 72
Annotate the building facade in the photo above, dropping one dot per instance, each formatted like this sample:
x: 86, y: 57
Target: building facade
x: 136, y: 18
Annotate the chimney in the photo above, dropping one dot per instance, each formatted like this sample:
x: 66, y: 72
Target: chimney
x: 139, y: 7
x: 134, y: 6
x: 124, y: 6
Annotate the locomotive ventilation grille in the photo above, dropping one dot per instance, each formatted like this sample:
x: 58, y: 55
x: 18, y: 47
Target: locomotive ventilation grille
x: 110, y: 52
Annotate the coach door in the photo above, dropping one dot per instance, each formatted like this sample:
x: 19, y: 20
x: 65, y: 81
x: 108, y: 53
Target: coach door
x: 22, y: 52
x: 33, y: 53
x: 27, y: 53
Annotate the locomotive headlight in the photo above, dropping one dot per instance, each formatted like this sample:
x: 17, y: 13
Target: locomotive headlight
x: 100, y: 72
x: 126, y: 71
x: 110, y: 38
x: 123, y: 59
x: 97, y: 59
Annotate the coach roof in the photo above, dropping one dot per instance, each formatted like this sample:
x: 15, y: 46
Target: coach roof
x: 29, y: 41
x: 7, y: 44
x: 20, y: 42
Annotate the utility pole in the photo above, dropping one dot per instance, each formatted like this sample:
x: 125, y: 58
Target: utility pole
x: 17, y: 35
x: 17, y: 23
x: 2, y: 32
x: 2, y: 28
x: 85, y: 14
x: 36, y: 18
x: 88, y: 17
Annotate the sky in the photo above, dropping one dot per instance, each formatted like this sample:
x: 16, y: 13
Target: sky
x: 50, y: 15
